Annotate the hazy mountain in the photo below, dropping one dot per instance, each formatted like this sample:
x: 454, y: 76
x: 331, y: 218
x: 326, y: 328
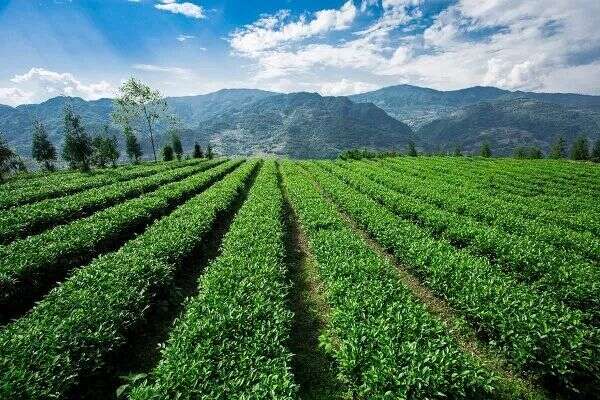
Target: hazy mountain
x: 303, y: 125
x: 418, y: 106
x: 237, y: 121
x: 194, y: 109
x: 16, y: 123
x: 249, y: 121
x: 509, y: 123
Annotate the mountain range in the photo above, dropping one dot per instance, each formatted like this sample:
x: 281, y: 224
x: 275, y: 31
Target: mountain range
x: 303, y: 125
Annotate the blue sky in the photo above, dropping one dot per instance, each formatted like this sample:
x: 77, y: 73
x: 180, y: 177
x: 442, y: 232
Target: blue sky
x: 87, y: 48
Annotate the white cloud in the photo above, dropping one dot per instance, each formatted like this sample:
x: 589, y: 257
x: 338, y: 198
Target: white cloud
x: 514, y: 44
x: 13, y: 96
x: 183, y: 38
x: 345, y: 87
x: 188, y: 9
x: 40, y: 83
x: 162, y: 69
x: 269, y: 32
x: 395, y: 14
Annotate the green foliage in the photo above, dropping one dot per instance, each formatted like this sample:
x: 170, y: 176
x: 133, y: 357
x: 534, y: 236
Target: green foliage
x: 64, y: 183
x: 198, y: 151
x: 580, y: 150
x: 102, y: 304
x: 457, y: 151
x: 382, y: 338
x: 512, y: 247
x: 32, y: 218
x: 357, y: 154
x: 209, y: 152
x: 112, y: 150
x: 176, y: 144
x: 30, y: 263
x: 77, y: 149
x: 595, y: 156
x: 560, y: 273
x: 240, y: 319
x: 524, y: 152
x: 547, y: 338
x: 411, y: 149
x: 132, y: 145
x: 558, y: 149
x: 42, y: 150
x: 8, y: 159
x: 105, y: 149
x: 485, y: 150
x: 167, y: 153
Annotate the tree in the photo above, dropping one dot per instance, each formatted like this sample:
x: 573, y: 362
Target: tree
x: 99, y: 157
x: 77, y: 149
x: 536, y: 153
x: 177, y: 147
x: 580, y: 149
x: 9, y: 161
x: 458, y: 151
x: 596, y: 152
x: 132, y: 146
x: 198, y: 151
x: 112, y: 149
x: 209, y: 152
x: 42, y: 150
x: 485, y: 150
x: 412, y: 150
x: 520, y: 152
x: 558, y: 148
x: 533, y: 152
x: 105, y: 149
x: 138, y: 103
x: 167, y: 153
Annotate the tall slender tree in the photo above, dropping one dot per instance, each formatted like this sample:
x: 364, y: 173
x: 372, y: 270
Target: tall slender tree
x: 9, y: 161
x: 99, y: 157
x: 412, y: 150
x: 458, y: 151
x: 596, y: 152
x: 112, y: 149
x: 132, y: 146
x: 198, y: 151
x: 485, y: 150
x: 167, y: 153
x: 177, y: 147
x: 558, y: 148
x: 42, y: 150
x: 77, y: 149
x: 139, y: 105
x: 209, y: 152
x: 580, y: 149
x: 105, y: 148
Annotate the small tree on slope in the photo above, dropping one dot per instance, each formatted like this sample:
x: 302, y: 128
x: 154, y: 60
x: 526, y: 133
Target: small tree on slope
x: 580, y: 149
x: 77, y: 150
x: 42, y: 150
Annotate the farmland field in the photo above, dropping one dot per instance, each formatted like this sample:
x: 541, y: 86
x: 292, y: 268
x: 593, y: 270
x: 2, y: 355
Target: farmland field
x: 391, y: 278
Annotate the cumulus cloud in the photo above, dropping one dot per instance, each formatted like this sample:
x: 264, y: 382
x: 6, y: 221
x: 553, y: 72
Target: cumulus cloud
x: 272, y: 31
x: 279, y: 47
x: 188, y: 9
x: 514, y: 44
x: 39, y: 84
x: 13, y: 96
x: 345, y: 87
